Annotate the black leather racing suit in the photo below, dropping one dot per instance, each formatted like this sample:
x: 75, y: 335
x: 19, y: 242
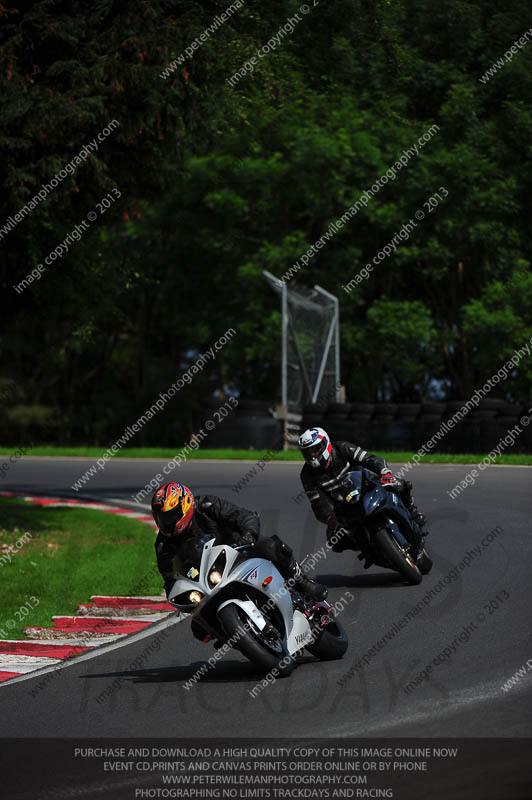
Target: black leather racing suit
x: 318, y: 481
x: 231, y: 525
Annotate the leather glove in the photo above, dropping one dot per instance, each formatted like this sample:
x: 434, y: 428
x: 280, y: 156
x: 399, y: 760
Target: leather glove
x: 249, y: 539
x: 389, y: 481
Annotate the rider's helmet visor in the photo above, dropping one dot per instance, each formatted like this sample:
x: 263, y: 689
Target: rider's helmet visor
x: 167, y: 523
x: 314, y: 451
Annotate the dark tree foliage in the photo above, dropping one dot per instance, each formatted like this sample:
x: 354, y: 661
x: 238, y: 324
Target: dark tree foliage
x: 219, y: 182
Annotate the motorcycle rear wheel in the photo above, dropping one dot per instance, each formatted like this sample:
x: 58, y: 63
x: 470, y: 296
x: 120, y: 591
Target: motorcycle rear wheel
x: 331, y: 644
x: 266, y: 655
x: 401, y: 562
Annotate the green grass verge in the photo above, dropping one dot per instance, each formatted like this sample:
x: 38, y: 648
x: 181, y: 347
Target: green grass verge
x: 257, y: 455
x: 157, y: 452
x: 73, y: 553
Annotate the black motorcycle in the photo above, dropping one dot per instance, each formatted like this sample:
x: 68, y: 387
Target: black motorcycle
x: 376, y: 522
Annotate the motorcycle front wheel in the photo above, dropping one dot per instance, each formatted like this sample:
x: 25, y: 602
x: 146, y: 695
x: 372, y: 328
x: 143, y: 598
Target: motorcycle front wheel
x: 400, y: 559
x: 266, y: 652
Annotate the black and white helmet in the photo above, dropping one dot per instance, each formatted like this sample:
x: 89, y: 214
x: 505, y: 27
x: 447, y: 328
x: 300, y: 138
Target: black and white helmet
x: 316, y: 447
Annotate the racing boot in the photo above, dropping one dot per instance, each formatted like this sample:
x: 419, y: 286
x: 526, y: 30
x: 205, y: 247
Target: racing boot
x: 338, y: 538
x: 417, y: 516
x: 413, y: 510
x: 311, y: 590
x: 367, y: 559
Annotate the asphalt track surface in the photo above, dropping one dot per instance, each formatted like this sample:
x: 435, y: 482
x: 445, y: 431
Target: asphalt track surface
x: 462, y: 697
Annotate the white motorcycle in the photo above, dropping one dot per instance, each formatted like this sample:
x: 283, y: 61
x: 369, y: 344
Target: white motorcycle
x: 244, y: 602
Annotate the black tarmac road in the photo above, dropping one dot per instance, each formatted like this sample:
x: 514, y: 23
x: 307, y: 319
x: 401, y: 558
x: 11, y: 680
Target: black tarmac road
x: 473, y: 622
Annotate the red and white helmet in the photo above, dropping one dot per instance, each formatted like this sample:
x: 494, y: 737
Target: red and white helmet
x: 316, y: 447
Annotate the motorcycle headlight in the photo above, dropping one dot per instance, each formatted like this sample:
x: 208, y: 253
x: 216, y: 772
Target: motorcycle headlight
x: 215, y: 577
x: 217, y: 570
x: 195, y: 597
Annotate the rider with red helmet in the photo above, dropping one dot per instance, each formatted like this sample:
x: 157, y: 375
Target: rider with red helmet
x: 184, y: 521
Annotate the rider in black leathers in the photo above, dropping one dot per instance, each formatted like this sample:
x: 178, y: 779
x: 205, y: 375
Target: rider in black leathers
x: 178, y: 546
x: 327, y: 463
